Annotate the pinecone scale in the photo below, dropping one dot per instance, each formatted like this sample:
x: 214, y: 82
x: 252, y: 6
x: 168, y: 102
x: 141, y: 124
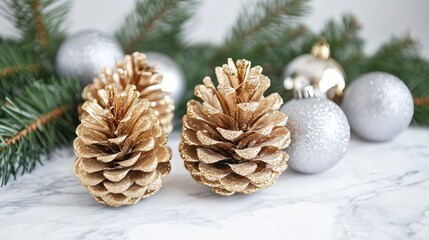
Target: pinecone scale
x: 120, y: 147
x: 135, y: 70
x: 233, y: 140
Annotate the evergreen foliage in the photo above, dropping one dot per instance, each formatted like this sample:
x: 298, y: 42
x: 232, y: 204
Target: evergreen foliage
x: 35, y: 122
x: 155, y: 25
x: 40, y: 26
x: 38, y: 111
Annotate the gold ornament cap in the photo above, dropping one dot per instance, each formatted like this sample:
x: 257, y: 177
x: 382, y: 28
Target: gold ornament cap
x: 321, y: 49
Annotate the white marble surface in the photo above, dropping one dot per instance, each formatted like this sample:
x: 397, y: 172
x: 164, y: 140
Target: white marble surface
x: 379, y: 191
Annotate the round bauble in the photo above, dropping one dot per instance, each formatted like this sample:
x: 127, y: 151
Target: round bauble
x: 378, y: 106
x: 173, y: 82
x: 318, y: 70
x: 84, y: 54
x: 319, y: 130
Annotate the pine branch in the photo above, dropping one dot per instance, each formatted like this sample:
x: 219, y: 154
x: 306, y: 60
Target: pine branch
x: 400, y: 57
x: 421, y: 101
x: 34, y: 123
x: 15, y: 61
x: 155, y: 25
x: 421, y: 108
x: 262, y: 26
x: 275, y: 55
x: 16, y: 65
x: 39, y: 121
x: 398, y: 50
x: 10, y: 70
x: 39, y: 23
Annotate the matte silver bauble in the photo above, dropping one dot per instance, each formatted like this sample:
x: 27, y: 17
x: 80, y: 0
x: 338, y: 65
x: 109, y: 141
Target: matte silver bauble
x: 84, y: 54
x: 318, y: 70
x: 378, y: 106
x: 319, y: 130
x: 174, y: 80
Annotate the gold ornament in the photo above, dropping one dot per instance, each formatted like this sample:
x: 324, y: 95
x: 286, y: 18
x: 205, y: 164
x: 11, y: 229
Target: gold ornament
x: 136, y: 71
x: 233, y: 140
x: 317, y: 69
x: 120, y: 147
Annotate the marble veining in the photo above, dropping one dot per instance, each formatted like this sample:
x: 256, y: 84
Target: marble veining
x: 378, y: 191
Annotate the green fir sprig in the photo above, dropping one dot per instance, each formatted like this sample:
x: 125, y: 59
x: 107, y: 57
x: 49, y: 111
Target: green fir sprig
x: 38, y: 112
x: 155, y: 25
x: 256, y: 32
x: 40, y: 25
x: 34, y: 123
x: 15, y: 61
x: 260, y: 26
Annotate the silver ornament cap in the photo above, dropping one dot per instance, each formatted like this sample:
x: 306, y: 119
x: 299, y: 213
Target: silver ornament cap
x: 83, y: 55
x: 378, y: 106
x: 173, y: 82
x: 319, y: 130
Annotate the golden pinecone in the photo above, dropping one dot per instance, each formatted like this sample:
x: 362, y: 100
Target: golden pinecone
x: 136, y: 71
x: 233, y: 141
x: 120, y: 147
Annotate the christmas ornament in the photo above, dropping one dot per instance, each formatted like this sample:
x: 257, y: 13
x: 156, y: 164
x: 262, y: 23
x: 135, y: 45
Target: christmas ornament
x: 378, y: 106
x: 318, y: 70
x: 83, y: 54
x: 120, y: 147
x: 320, y: 132
x: 233, y: 141
x: 136, y: 70
x: 174, y: 80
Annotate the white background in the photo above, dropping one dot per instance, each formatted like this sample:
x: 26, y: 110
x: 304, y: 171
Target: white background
x: 381, y: 19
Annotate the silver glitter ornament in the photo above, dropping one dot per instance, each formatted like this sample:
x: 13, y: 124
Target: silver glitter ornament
x: 319, y: 130
x: 84, y: 54
x: 378, y: 106
x: 317, y: 69
x: 173, y: 82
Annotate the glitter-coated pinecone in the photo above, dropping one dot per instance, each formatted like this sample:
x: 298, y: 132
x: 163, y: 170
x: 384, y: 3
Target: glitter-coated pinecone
x: 120, y: 147
x: 135, y: 70
x: 233, y: 141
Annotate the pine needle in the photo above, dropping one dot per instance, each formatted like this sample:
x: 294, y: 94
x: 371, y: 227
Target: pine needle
x: 15, y: 61
x: 264, y: 23
x: 34, y: 123
x: 154, y: 25
x: 40, y: 26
